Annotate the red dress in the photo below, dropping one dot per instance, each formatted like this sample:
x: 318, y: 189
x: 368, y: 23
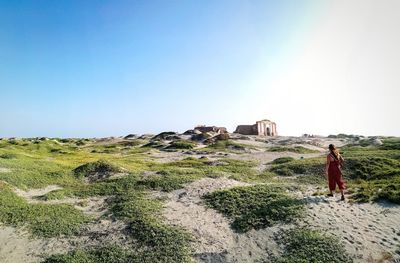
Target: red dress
x: 335, y: 175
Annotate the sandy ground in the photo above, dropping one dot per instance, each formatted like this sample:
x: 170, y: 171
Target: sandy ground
x: 17, y: 246
x: 369, y: 231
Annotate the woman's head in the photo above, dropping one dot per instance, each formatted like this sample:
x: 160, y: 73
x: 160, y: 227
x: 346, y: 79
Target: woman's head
x: 334, y: 151
x: 332, y: 147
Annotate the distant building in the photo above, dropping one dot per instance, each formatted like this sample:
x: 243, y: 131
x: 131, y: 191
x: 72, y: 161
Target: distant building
x: 263, y: 128
x: 216, y: 129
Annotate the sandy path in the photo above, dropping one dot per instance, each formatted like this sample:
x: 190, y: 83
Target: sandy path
x: 368, y: 231
x: 29, y: 195
x: 19, y: 247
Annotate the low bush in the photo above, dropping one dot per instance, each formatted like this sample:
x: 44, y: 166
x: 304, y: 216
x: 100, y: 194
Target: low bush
x: 223, y: 145
x: 309, y: 246
x: 8, y: 156
x: 313, y: 166
x: 255, y: 207
x: 99, y: 167
x: 295, y: 149
x: 110, y: 254
x: 282, y: 160
x: 41, y: 219
x: 368, y: 168
x: 181, y: 145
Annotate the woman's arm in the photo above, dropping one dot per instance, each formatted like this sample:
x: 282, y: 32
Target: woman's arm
x: 328, y: 160
x: 341, y: 160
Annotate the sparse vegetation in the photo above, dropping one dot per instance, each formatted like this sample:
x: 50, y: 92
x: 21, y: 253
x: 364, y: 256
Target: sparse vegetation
x: 312, y: 166
x: 43, y: 220
x: 223, y: 145
x: 283, y: 160
x: 372, y: 173
x: 295, y: 149
x: 255, y: 207
x: 96, y: 170
x: 181, y: 145
x: 304, y: 245
x: 111, y: 254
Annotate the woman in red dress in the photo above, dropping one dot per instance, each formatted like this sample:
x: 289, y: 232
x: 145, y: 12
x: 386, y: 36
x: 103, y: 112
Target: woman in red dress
x: 333, y: 170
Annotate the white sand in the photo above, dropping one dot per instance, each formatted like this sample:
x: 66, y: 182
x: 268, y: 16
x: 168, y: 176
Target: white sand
x: 368, y: 231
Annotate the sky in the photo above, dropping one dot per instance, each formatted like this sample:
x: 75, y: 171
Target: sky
x: 110, y: 68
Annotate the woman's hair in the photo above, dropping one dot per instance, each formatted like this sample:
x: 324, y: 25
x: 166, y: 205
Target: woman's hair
x: 335, y: 152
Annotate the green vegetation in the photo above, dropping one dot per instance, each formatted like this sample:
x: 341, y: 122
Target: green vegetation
x: 372, y: 173
x: 344, y: 136
x: 181, y: 145
x: 309, y: 246
x: 312, y: 166
x: 163, y: 243
x: 43, y: 220
x: 8, y: 156
x: 282, y: 160
x: 295, y: 149
x: 370, y: 168
x: 255, y: 207
x: 224, y: 145
x: 391, y: 144
x: 111, y: 254
x: 99, y: 169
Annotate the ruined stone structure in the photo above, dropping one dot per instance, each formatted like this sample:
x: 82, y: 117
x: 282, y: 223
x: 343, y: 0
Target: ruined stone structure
x: 263, y: 128
x: 216, y: 129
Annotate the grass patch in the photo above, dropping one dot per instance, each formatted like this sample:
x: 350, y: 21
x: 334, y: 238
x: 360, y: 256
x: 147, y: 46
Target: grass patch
x: 295, y: 149
x: 281, y: 160
x: 8, y: 156
x: 41, y: 219
x: 162, y: 243
x: 110, y: 254
x: 369, y: 168
x: 375, y: 190
x: 96, y: 170
x: 224, y: 145
x: 309, y: 246
x: 255, y: 207
x: 313, y: 166
x: 181, y: 145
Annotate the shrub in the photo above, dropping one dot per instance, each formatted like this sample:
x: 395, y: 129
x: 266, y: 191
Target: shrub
x: 309, y: 246
x: 41, y: 219
x: 255, y: 207
x: 181, y: 145
x: 282, y: 160
x: 163, y: 135
x: 369, y: 168
x: 8, y: 156
x: 313, y: 166
x: 100, y: 169
x: 295, y: 149
x: 227, y: 145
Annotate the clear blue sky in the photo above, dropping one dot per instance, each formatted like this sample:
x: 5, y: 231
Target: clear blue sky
x: 103, y: 68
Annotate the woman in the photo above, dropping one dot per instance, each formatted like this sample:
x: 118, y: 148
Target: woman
x: 333, y: 170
